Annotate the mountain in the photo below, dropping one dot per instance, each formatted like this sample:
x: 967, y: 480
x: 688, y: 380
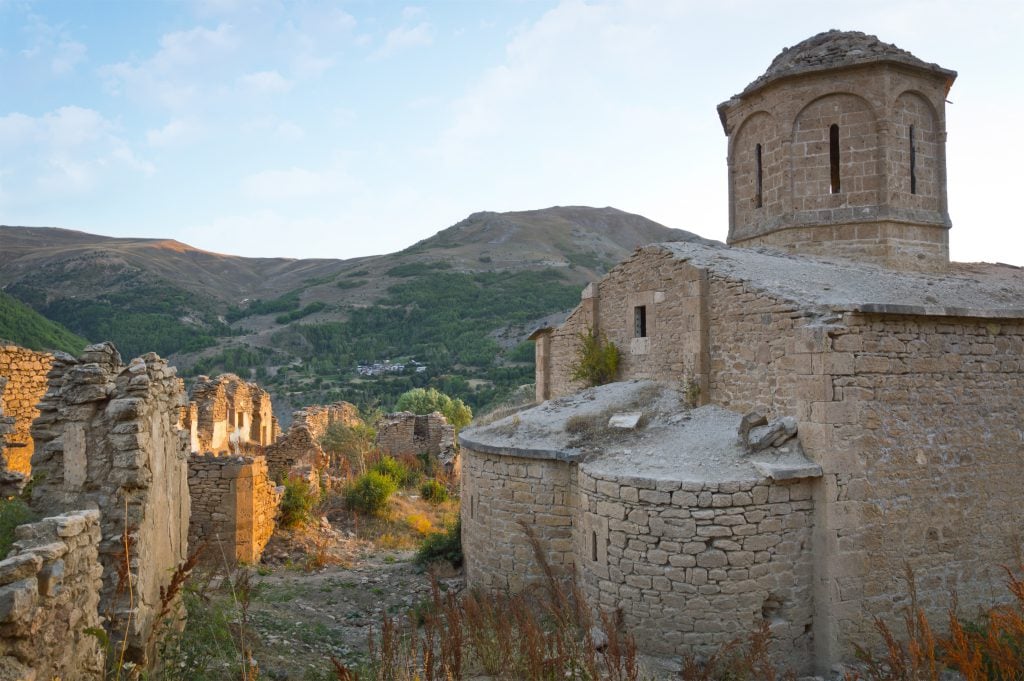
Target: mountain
x: 23, y: 326
x: 458, y: 302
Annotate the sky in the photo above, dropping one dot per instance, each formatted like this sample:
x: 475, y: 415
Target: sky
x: 319, y: 128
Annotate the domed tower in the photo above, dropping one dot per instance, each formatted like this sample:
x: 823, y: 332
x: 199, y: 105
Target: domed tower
x: 839, y: 149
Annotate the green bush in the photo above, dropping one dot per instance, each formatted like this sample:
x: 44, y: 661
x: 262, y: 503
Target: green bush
x: 434, y: 491
x: 369, y: 493
x: 445, y: 545
x: 427, y: 400
x: 297, y: 503
x: 597, y: 359
x: 390, y: 467
x: 13, y: 512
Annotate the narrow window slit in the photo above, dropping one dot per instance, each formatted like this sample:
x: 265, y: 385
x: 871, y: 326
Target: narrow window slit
x: 640, y: 321
x: 757, y: 161
x: 913, y: 163
x: 833, y: 155
x: 593, y: 546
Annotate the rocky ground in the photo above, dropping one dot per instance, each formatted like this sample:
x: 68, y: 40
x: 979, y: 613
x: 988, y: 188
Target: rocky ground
x: 318, y: 593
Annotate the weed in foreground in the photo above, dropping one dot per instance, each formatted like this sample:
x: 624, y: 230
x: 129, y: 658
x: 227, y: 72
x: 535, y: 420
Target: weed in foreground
x: 544, y: 633
x: 990, y: 651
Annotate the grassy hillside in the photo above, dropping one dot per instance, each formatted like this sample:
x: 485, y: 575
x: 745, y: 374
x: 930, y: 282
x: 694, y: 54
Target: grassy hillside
x: 461, y: 302
x: 26, y: 327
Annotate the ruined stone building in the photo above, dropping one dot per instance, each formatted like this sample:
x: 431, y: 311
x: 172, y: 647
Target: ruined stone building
x: 835, y: 313
x: 300, y: 446
x: 229, y: 413
x: 406, y: 433
x: 109, y: 437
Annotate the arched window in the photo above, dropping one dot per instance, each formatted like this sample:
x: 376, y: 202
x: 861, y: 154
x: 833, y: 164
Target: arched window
x: 913, y: 163
x: 833, y: 155
x: 759, y: 176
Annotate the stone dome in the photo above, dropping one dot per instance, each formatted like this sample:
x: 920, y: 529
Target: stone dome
x: 835, y: 49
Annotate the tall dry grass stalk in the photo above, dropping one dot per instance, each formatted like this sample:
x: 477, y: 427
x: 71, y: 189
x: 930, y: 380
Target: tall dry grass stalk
x: 990, y: 650
x: 545, y: 633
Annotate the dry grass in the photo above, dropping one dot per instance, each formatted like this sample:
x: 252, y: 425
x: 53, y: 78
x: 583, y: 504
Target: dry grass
x: 992, y: 650
x: 545, y: 633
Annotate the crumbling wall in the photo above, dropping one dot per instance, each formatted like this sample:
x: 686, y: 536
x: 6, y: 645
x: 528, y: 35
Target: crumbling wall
x: 50, y: 591
x: 300, y: 446
x: 407, y: 433
x: 229, y: 414
x: 234, y: 506
x: 25, y: 371
x: 109, y: 437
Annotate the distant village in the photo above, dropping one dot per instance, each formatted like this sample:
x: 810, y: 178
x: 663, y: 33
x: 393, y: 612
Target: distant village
x: 387, y: 367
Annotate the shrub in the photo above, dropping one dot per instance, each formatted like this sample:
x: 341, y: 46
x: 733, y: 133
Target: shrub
x: 369, y: 493
x: 13, y: 512
x: 434, y: 491
x: 390, y: 467
x: 445, y: 545
x: 427, y: 400
x: 419, y: 523
x: 297, y: 503
x: 597, y: 359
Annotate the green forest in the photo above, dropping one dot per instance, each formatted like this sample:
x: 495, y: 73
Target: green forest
x: 438, y: 317
x: 24, y: 326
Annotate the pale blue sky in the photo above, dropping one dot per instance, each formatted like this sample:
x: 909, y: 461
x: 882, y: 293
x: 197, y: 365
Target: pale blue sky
x: 336, y: 129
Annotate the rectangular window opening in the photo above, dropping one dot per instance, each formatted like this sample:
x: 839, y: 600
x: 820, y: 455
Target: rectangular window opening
x: 757, y: 162
x: 913, y: 163
x: 833, y: 155
x: 593, y: 546
x: 640, y: 321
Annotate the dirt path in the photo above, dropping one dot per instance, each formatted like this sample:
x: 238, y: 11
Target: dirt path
x: 302, y: 618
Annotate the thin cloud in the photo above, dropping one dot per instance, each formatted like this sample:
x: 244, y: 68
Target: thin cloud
x: 405, y: 38
x: 266, y: 82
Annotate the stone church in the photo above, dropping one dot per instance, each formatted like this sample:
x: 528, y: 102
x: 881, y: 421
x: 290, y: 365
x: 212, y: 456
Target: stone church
x: 890, y: 382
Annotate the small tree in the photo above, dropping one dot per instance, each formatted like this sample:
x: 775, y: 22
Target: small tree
x: 427, y: 400
x: 597, y: 359
x: 351, y: 442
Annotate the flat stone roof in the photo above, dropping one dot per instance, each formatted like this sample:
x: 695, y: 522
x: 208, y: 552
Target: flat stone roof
x: 672, y: 442
x: 990, y: 291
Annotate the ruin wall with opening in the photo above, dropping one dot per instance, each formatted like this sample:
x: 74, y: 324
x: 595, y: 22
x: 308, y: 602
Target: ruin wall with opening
x: 110, y: 436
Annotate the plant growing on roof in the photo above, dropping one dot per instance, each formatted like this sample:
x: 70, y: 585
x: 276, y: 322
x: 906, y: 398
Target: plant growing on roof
x: 597, y: 359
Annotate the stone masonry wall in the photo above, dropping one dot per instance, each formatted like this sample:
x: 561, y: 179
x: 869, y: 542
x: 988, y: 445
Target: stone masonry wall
x: 407, y: 433
x: 921, y: 444
x: 497, y: 493
x: 694, y: 565
x: 672, y: 293
x: 234, y: 507
x: 25, y: 371
x: 109, y: 437
x: 50, y: 588
x: 301, y: 444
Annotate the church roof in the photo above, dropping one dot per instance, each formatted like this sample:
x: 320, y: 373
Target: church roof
x: 835, y: 49
x: 826, y: 286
